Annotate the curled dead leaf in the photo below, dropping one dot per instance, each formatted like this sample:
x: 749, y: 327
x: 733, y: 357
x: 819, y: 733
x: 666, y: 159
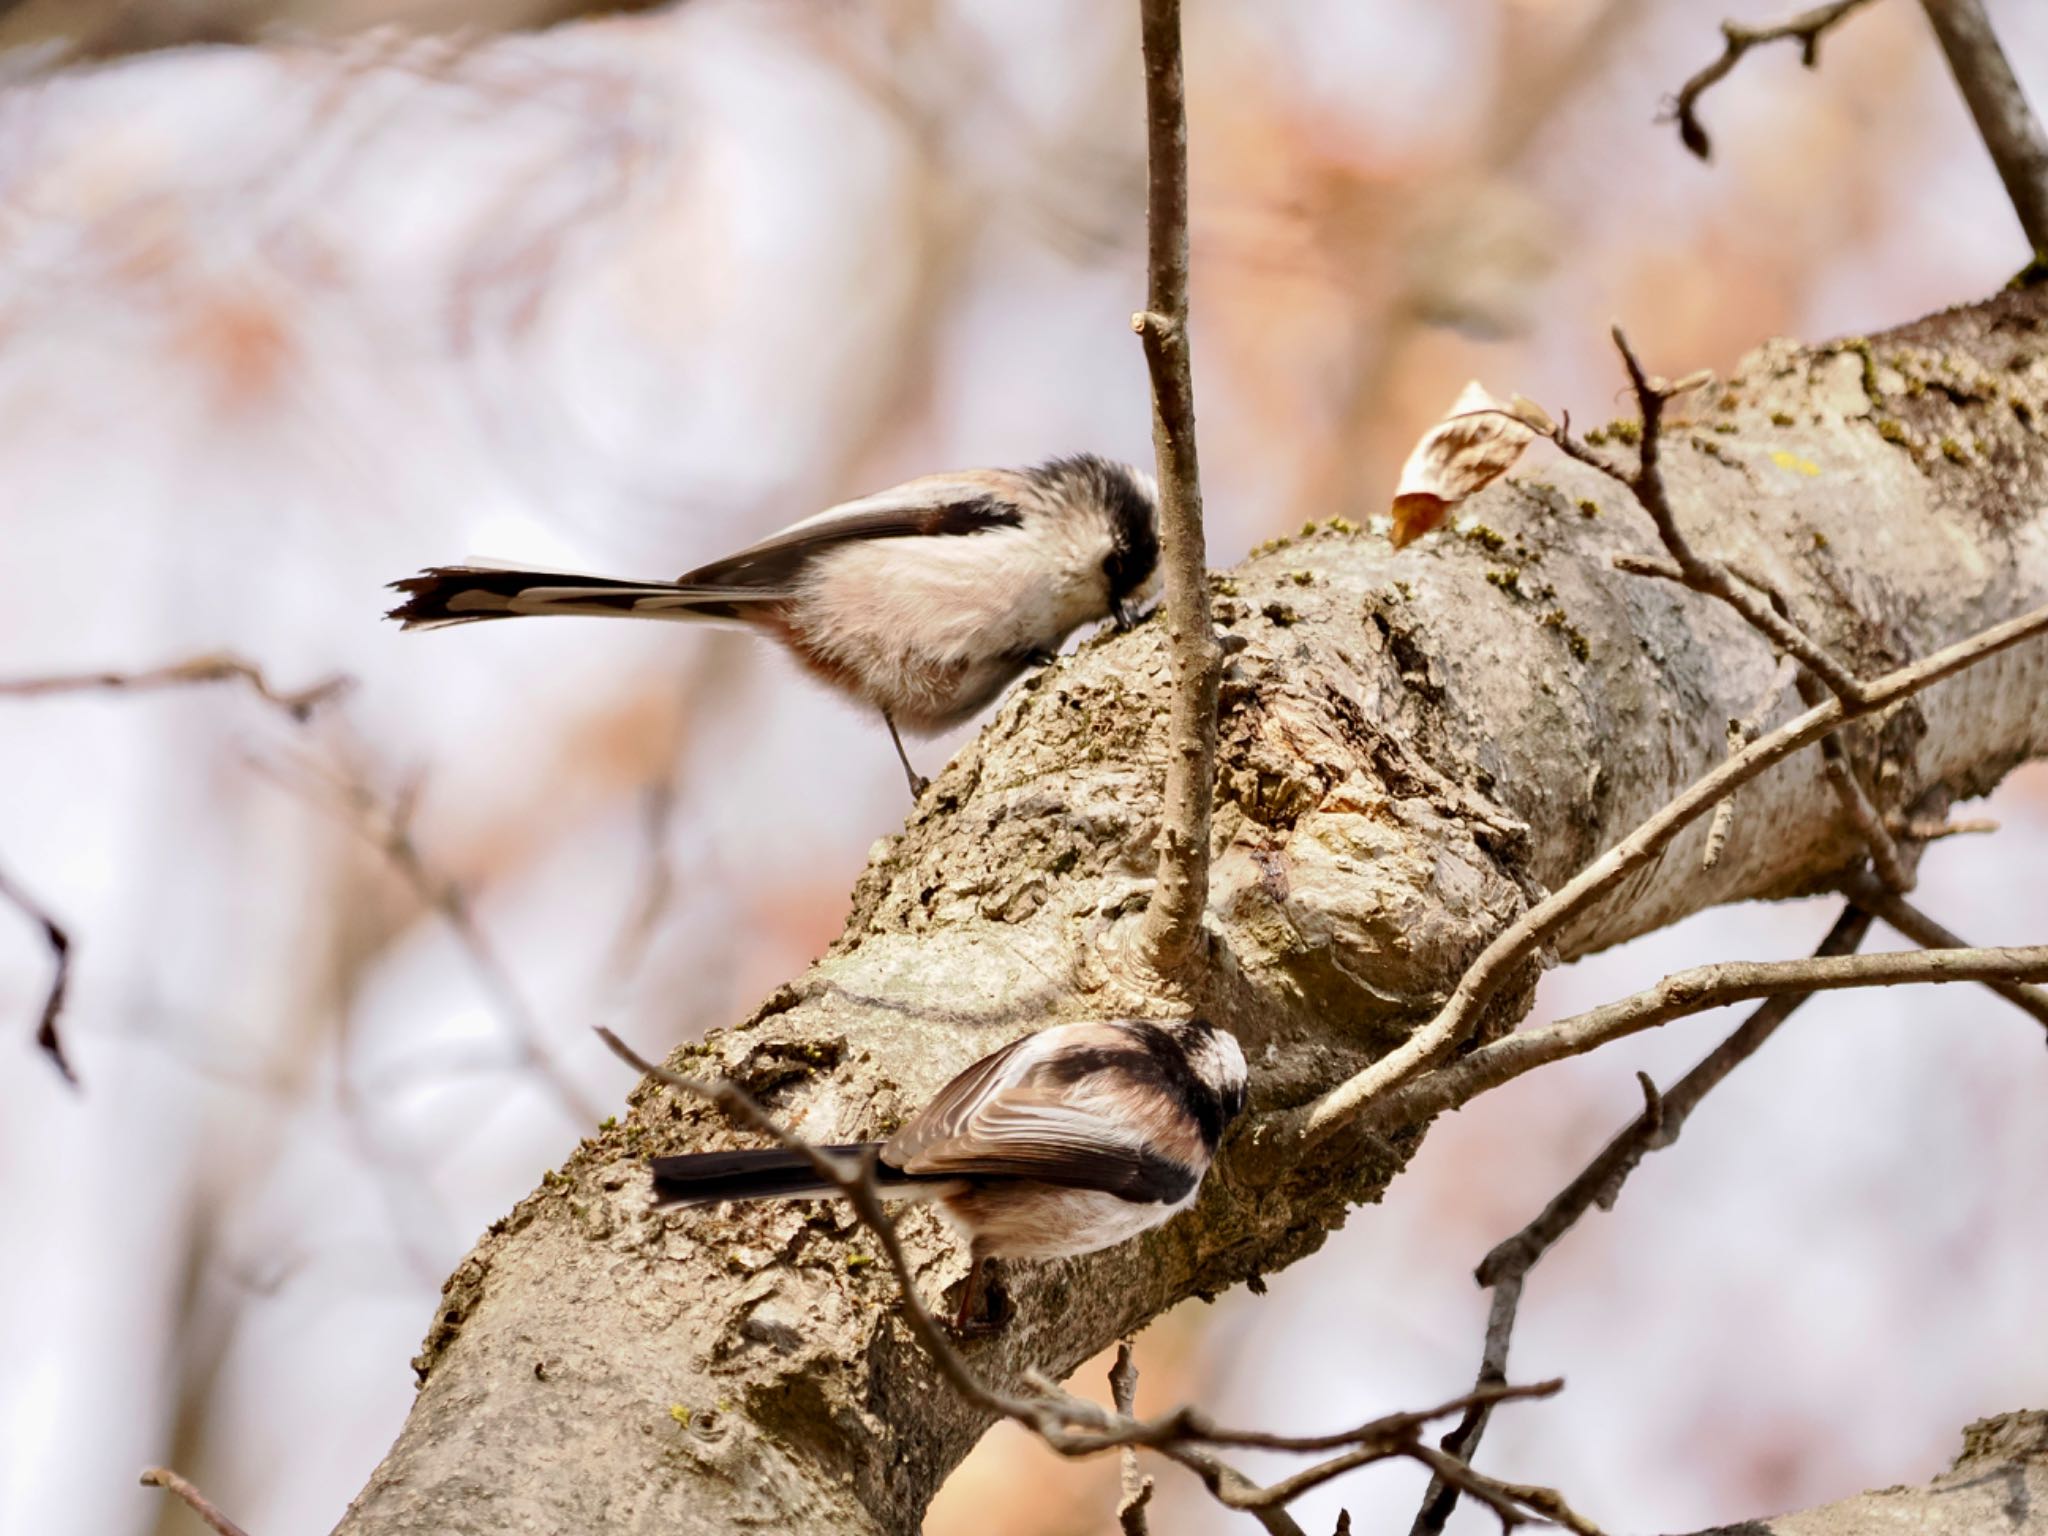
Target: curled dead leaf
x: 1475, y: 444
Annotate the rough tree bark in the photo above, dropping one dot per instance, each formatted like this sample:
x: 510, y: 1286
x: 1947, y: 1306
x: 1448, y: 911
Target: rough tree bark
x: 1411, y: 745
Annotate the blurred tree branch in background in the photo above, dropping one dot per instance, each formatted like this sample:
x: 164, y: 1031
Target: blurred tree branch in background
x: 86, y: 31
x: 49, y: 1038
x: 299, y: 704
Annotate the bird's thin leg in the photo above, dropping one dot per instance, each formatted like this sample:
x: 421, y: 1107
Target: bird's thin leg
x: 964, y: 1320
x: 984, y: 1303
x: 918, y: 782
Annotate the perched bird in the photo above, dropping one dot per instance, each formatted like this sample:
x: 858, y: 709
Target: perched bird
x: 1065, y: 1141
x: 925, y: 600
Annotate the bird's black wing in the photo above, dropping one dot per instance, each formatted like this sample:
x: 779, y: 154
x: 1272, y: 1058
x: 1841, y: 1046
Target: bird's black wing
x: 1009, y: 1116
x: 935, y: 506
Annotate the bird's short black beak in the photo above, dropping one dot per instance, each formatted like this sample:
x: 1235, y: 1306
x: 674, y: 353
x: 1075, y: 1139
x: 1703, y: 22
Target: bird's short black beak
x: 1120, y: 611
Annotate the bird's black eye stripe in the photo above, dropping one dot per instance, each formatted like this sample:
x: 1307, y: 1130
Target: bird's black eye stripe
x: 1134, y: 537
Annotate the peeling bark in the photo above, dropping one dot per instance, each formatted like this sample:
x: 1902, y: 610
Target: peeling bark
x: 1411, y: 745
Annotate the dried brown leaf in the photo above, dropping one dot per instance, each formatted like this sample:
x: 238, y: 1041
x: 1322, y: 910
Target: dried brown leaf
x: 1473, y: 446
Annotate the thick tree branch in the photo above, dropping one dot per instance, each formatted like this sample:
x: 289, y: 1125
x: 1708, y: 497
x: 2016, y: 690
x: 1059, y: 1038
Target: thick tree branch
x: 2009, y: 128
x: 1761, y: 606
x: 1999, y: 1483
x: 1172, y: 932
x: 1806, y: 29
x: 1704, y: 575
x: 1803, y: 661
x: 1412, y: 750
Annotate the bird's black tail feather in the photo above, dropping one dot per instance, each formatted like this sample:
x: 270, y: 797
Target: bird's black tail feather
x: 462, y: 594
x: 766, y: 1173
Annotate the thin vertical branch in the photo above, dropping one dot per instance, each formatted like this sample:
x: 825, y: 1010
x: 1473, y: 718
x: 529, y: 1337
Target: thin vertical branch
x: 1173, y: 922
x: 2009, y: 128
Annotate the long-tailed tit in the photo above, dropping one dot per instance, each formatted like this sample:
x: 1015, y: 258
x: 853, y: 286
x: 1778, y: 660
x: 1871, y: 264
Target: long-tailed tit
x: 925, y: 600
x: 1062, y: 1142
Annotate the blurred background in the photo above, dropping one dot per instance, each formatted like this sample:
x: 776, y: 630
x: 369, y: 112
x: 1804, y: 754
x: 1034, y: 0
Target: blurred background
x: 280, y: 325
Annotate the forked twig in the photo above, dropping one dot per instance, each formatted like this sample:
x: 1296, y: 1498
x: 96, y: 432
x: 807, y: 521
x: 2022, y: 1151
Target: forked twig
x: 1599, y: 1183
x: 1909, y: 920
x: 1279, y: 1138
x: 1806, y: 29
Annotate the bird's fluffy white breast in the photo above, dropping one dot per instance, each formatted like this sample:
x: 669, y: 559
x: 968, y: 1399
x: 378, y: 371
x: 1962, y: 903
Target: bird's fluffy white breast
x: 1004, y: 589
x: 906, y: 613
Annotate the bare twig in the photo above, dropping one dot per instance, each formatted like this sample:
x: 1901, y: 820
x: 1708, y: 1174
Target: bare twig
x: 197, y: 1502
x: 219, y: 667
x: 1700, y: 572
x: 47, y: 1036
x: 2009, y: 128
x: 1807, y: 28
x: 1395, y: 1435
x: 1172, y: 931
x: 1677, y: 996
x: 1343, y: 1104
x: 1928, y: 830
x: 1073, y: 1426
x: 1599, y: 1183
x: 1232, y: 1489
x: 1885, y: 858
x: 1926, y: 932
x: 1761, y: 606
x: 214, y: 668
x: 1136, y: 1489
x: 1740, y: 734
